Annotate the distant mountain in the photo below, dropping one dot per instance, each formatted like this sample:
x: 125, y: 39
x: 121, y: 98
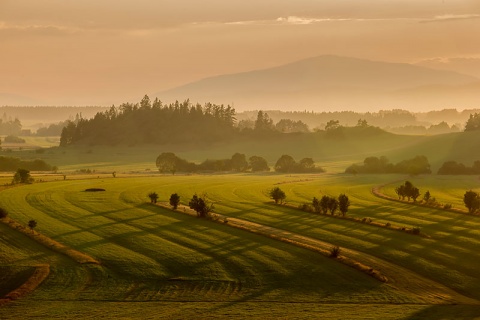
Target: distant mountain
x: 335, y: 83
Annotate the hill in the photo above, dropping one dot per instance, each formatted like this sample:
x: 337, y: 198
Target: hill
x: 332, y: 82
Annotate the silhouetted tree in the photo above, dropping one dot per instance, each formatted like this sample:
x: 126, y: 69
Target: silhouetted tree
x: 472, y: 201
x: 343, y: 204
x: 263, y: 123
x: 285, y: 164
x: 277, y: 195
x: 201, y: 205
x: 324, y: 204
x: 153, y: 197
x: 332, y: 205
x: 473, y: 123
x: 174, y: 201
x: 257, y: 163
x: 32, y: 224
x: 3, y: 213
x: 239, y: 162
x: 316, y: 205
x: 22, y: 176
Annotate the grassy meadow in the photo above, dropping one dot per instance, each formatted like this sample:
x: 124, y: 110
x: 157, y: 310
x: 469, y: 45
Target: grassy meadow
x: 160, y: 263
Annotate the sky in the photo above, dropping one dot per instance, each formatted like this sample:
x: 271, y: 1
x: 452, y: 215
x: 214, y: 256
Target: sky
x: 104, y: 52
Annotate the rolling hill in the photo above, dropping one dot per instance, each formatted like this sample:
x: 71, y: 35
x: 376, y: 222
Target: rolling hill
x: 335, y: 83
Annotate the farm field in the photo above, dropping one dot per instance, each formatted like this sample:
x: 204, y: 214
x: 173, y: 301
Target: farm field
x: 155, y: 262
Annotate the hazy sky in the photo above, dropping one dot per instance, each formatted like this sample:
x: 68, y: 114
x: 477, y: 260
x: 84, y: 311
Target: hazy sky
x: 99, y: 52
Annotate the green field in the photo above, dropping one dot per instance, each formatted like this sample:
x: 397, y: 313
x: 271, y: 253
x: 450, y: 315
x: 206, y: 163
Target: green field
x: 159, y: 263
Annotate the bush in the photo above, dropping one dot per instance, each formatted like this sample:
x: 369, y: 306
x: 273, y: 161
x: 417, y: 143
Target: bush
x: 334, y: 251
x: 13, y: 139
x: 306, y: 207
x: 416, y: 230
x: 388, y: 224
x: 447, y: 206
x: 174, y: 200
x: 3, y: 213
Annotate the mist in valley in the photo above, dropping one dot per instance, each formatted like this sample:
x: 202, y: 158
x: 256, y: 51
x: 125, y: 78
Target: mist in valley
x: 212, y: 160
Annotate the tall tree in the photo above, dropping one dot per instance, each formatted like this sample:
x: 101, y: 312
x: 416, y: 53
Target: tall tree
x: 472, y: 201
x: 257, y: 163
x: 239, y: 162
x: 343, y: 204
x: 277, y: 195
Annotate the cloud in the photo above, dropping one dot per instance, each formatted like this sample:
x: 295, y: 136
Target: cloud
x: 35, y: 29
x: 298, y: 20
x: 451, y: 17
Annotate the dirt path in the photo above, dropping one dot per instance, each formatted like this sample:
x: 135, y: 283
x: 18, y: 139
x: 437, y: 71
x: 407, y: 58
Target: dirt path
x: 402, y: 279
x: 41, y: 273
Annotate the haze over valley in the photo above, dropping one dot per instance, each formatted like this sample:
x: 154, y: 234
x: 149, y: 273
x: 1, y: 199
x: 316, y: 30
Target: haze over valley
x: 269, y: 159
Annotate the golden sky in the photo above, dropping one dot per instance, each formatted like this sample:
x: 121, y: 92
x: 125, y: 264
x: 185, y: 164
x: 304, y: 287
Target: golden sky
x: 100, y: 52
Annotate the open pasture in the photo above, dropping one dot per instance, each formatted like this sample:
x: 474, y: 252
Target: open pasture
x: 155, y: 258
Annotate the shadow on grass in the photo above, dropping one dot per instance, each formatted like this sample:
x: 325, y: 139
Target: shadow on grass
x: 447, y: 312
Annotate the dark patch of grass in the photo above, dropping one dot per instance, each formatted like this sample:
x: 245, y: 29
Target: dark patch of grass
x: 94, y: 190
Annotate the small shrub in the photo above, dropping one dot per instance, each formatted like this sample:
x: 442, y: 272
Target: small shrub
x: 447, y: 206
x: 388, y: 224
x: 334, y: 251
x: 32, y: 224
x: 306, y: 207
x: 13, y: 139
x: 416, y: 230
x: 3, y: 213
x: 364, y: 220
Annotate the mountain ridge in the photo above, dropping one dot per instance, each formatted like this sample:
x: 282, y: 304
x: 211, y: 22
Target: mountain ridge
x: 326, y: 81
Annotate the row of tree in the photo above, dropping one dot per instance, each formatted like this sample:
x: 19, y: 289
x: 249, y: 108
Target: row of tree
x: 409, y: 191
x: 414, y: 166
x: 12, y: 164
x: 325, y: 204
x: 168, y: 162
x: 454, y: 168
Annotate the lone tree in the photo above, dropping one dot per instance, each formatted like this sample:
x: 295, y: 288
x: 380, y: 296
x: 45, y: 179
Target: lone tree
x: 277, y: 195
x: 472, y: 201
x: 32, y: 224
x: 201, y: 205
x: 343, y: 204
x: 174, y: 200
x: 22, y: 176
x: 153, y: 197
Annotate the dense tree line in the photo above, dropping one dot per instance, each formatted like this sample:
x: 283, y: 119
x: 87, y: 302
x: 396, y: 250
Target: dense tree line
x: 473, y: 122
x: 54, y: 129
x: 153, y: 122
x: 416, y: 165
x: 9, y: 126
x: 286, y: 164
x: 168, y: 162
x: 13, y: 164
x: 453, y: 167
